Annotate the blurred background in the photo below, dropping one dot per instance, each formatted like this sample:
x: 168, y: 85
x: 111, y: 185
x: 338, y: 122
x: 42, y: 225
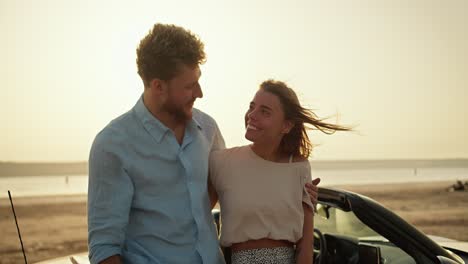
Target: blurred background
x: 397, y: 70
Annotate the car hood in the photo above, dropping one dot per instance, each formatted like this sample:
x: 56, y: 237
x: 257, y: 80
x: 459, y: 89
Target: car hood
x: 79, y: 258
x: 450, y: 243
x: 442, y: 241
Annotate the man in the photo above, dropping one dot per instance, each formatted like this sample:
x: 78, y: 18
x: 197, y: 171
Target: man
x: 148, y: 169
x: 147, y: 199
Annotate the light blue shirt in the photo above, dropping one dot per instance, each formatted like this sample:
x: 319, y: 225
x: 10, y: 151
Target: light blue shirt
x: 147, y: 195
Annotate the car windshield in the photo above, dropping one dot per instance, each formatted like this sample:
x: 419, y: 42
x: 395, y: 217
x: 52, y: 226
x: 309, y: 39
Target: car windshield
x: 337, y: 221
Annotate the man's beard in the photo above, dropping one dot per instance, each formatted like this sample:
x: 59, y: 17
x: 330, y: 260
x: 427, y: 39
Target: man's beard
x: 177, y: 112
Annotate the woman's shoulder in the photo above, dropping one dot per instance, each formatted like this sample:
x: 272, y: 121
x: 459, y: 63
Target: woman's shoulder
x: 228, y: 152
x: 225, y: 159
x: 302, y: 165
x: 299, y: 159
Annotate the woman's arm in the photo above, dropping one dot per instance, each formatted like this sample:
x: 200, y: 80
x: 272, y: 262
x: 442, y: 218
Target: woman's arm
x: 212, y: 194
x: 305, y: 246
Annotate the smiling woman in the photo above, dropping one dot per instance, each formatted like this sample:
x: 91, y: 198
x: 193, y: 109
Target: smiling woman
x: 275, y: 101
x: 263, y: 223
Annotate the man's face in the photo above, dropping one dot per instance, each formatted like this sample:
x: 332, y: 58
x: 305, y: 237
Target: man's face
x: 181, y: 93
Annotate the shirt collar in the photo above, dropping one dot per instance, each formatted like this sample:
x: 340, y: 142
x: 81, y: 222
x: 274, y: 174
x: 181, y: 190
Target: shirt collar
x: 149, y: 121
x: 153, y: 125
x: 194, y: 121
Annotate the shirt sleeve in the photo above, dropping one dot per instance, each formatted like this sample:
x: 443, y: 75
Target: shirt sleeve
x: 218, y: 140
x: 110, y: 192
x: 213, y: 170
x: 213, y: 134
x: 306, y: 176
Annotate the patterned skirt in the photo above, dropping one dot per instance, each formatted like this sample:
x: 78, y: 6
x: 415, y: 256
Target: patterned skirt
x: 277, y: 255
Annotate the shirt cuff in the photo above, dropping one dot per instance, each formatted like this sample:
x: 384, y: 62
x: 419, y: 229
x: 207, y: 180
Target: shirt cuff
x: 100, y: 253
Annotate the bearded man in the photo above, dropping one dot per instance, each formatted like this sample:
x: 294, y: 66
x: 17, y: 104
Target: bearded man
x: 148, y: 168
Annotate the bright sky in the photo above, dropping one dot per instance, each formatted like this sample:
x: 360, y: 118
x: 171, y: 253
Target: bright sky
x: 397, y: 69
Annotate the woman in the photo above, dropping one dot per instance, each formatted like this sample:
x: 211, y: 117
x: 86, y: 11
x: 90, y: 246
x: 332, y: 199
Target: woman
x: 266, y: 213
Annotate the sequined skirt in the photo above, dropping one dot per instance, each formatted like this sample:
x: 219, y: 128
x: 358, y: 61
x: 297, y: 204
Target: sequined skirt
x: 277, y: 255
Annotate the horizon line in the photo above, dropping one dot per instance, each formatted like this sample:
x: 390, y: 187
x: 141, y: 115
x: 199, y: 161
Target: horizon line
x: 310, y: 159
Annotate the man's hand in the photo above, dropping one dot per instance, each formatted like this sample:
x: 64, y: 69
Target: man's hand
x: 312, y: 189
x: 112, y: 260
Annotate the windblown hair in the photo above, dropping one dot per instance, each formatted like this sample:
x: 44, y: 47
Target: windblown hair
x: 165, y: 49
x: 297, y: 142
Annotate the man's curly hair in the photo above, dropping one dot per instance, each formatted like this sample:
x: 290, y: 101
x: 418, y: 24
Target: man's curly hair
x: 165, y: 49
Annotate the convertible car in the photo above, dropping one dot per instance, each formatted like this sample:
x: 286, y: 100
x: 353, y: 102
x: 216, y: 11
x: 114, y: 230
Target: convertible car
x: 351, y: 228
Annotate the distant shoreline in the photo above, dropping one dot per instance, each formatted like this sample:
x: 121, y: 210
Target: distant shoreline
x: 389, y: 164
x: 43, y: 168
x: 81, y: 167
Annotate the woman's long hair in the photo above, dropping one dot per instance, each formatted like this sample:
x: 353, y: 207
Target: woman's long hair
x: 297, y: 142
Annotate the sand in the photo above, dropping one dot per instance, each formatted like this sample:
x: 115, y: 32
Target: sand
x: 428, y: 206
x: 56, y: 226
x: 50, y: 227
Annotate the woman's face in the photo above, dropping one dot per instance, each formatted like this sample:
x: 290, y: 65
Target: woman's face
x: 264, y: 120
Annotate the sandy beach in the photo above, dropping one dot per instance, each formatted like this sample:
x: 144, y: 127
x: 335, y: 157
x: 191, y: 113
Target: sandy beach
x: 56, y: 226
x: 50, y: 227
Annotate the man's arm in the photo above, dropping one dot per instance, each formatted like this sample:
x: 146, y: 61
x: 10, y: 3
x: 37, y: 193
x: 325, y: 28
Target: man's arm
x: 112, y: 260
x: 218, y: 143
x: 312, y: 190
x: 110, y: 193
x: 212, y: 194
x: 218, y: 140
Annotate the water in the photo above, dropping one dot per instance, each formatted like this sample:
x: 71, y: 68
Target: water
x: 394, y: 175
x: 43, y: 185
x: 78, y: 184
